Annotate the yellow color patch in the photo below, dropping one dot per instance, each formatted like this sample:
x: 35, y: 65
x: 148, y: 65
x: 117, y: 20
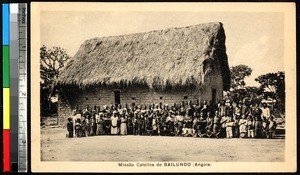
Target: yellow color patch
x: 6, y: 108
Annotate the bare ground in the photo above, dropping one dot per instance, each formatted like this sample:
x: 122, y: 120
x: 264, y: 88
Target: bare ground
x: 56, y: 147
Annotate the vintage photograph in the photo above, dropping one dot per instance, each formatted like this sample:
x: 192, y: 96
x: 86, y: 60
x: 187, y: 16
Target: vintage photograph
x: 179, y: 87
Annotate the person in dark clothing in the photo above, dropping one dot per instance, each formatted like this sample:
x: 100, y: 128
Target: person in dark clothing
x: 229, y: 110
x: 222, y: 108
x: 202, y: 125
x: 83, y: 127
x: 149, y: 124
x: 77, y: 128
x: 204, y: 109
x: 129, y: 125
x: 70, y: 128
x: 135, y: 124
x: 141, y: 124
x: 256, y: 113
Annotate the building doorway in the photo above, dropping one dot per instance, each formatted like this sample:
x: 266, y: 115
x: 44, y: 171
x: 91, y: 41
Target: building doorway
x: 214, y: 96
x: 117, y: 97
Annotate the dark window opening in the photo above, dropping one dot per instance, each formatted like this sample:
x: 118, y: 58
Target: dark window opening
x: 86, y: 98
x: 117, y: 97
x: 161, y: 98
x: 133, y: 98
x: 185, y: 97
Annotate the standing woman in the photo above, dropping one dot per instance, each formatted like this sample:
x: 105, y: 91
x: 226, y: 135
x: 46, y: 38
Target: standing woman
x: 149, y: 123
x: 236, y: 118
x: 216, y: 124
x: 97, y: 121
x: 76, y: 115
x: 114, y: 124
x: 129, y: 124
x: 123, y: 126
x: 100, y: 124
x: 135, y: 123
x: 154, y: 124
x: 93, y: 126
x: 256, y: 112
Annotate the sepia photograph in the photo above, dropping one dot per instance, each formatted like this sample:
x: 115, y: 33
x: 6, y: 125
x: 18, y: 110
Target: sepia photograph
x: 136, y: 87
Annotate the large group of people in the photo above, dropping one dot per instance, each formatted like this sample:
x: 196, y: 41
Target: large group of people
x: 223, y: 120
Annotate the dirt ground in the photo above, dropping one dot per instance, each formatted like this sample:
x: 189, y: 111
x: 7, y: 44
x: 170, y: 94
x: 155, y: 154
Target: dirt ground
x: 56, y: 147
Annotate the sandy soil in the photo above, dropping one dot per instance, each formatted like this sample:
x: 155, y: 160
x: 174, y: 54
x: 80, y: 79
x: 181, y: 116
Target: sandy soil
x: 56, y: 147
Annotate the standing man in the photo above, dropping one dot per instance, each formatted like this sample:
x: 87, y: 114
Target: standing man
x: 265, y: 111
x: 257, y: 113
x: 245, y: 109
x: 205, y: 108
x: 222, y: 109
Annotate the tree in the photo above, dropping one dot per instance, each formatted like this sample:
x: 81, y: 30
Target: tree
x: 51, y: 62
x: 273, y: 85
x: 248, y: 93
x: 238, y: 74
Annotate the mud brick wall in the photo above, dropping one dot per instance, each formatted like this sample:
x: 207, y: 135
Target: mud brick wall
x: 64, y: 110
x: 140, y: 96
x: 100, y: 96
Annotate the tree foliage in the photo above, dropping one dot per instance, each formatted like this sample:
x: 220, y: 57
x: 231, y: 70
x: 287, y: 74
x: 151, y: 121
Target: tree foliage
x: 238, y: 74
x: 273, y: 86
x: 52, y: 60
x: 249, y: 93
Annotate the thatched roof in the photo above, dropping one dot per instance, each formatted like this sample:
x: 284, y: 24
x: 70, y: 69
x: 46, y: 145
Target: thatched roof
x: 175, y: 56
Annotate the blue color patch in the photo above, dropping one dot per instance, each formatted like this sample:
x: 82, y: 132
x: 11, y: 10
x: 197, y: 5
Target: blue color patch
x: 5, y: 24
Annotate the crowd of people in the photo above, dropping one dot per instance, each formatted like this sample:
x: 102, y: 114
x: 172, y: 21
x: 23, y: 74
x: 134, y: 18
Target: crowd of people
x: 223, y: 120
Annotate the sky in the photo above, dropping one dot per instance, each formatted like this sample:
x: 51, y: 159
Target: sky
x: 253, y: 39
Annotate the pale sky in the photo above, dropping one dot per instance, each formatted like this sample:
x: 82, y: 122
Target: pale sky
x: 253, y: 39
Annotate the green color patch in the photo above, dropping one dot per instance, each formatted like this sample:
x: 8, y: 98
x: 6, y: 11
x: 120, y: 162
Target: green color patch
x: 6, y: 64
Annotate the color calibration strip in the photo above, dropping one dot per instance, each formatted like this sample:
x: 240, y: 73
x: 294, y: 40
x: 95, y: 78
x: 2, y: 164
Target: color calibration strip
x: 14, y: 76
x: 6, y: 86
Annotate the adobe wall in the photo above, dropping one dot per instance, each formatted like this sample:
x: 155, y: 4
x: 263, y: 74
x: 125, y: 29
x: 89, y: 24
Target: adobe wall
x: 101, y: 96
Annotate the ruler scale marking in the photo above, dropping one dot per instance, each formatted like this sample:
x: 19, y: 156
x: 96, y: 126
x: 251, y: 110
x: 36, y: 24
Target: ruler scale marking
x: 22, y: 133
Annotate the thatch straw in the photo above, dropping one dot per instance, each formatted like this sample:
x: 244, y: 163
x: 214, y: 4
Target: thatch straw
x: 174, y: 56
